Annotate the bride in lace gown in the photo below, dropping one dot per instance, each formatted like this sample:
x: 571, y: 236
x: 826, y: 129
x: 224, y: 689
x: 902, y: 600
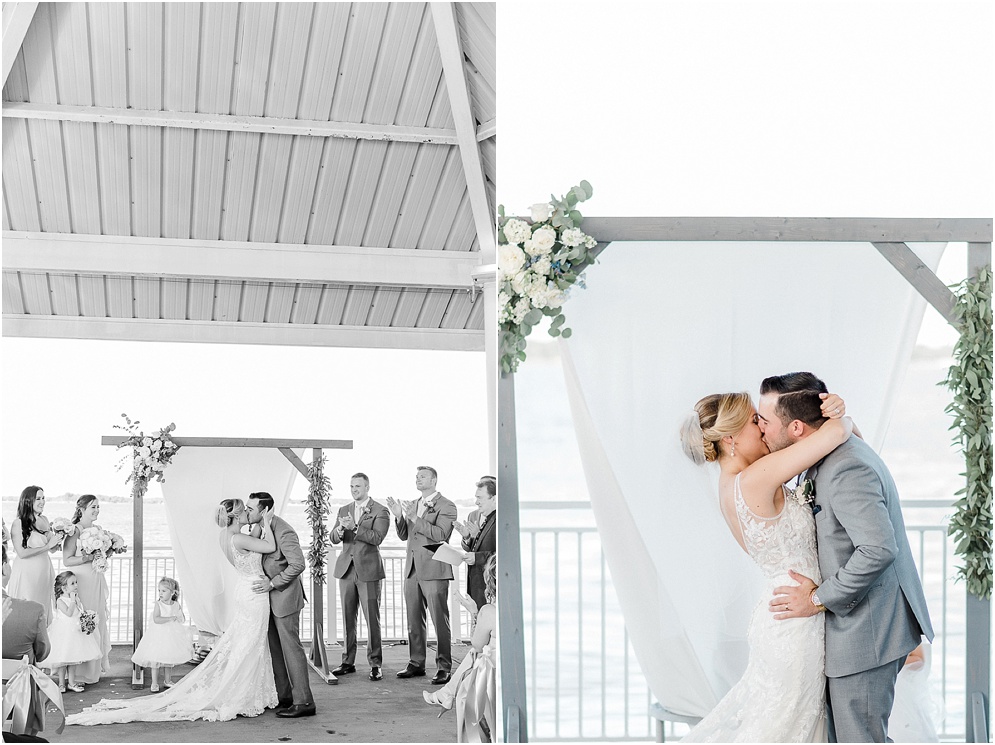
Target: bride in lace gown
x: 781, y: 696
x: 236, y: 679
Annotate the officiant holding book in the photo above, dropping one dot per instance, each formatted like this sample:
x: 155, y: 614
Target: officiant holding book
x: 480, y: 538
x: 361, y: 527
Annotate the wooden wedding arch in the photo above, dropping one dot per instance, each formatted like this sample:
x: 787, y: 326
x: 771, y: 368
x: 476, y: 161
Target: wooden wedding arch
x: 318, y: 659
x: 890, y: 237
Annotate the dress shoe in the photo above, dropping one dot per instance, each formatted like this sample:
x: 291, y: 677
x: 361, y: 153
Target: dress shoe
x: 412, y: 672
x: 344, y: 669
x: 375, y: 674
x: 297, y: 710
x: 441, y: 678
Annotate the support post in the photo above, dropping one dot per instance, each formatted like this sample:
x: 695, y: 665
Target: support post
x: 485, y: 276
x: 510, y: 614
x: 978, y: 611
x: 138, y: 578
x: 318, y: 659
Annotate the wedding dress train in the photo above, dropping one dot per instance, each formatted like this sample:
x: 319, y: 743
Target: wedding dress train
x: 235, y: 679
x: 781, y: 696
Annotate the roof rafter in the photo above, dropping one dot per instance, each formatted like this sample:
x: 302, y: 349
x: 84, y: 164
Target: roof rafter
x: 451, y: 52
x: 271, y: 262
x: 16, y: 20
x: 228, y: 122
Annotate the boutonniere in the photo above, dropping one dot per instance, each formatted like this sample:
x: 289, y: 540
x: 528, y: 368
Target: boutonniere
x: 366, y: 511
x: 430, y: 506
x: 804, y: 493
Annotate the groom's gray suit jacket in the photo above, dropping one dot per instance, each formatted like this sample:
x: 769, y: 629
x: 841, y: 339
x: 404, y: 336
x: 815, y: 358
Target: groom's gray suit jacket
x: 870, y: 583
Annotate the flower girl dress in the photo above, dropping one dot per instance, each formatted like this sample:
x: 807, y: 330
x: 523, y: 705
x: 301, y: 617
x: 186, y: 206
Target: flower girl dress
x: 165, y: 643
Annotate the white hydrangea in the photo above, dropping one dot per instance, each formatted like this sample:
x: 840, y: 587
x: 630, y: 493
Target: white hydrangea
x: 547, y: 295
x: 504, y: 306
x: 541, y: 211
x: 522, y: 308
x: 572, y: 237
x: 511, y: 259
x: 517, y: 231
x: 589, y: 242
x: 542, y: 265
x: 521, y: 282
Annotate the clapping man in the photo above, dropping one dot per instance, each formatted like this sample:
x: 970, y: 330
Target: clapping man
x: 428, y: 519
x: 480, y: 537
x: 361, y: 527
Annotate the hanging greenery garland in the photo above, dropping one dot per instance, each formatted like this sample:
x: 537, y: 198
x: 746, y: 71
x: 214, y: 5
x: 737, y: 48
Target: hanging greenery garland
x: 318, y: 495
x: 970, y: 379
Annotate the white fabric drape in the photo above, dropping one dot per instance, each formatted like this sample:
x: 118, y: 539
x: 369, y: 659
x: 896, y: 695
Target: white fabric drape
x: 659, y: 327
x: 196, y: 481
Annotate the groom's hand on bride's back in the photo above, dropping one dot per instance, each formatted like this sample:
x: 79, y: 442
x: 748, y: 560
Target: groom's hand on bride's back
x: 795, y: 601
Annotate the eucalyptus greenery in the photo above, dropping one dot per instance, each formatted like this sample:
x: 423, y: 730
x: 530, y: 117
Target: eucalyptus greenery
x: 970, y: 379
x: 318, y: 495
x: 539, y: 261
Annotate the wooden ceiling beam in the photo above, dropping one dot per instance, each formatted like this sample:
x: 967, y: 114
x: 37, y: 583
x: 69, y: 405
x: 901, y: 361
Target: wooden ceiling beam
x: 237, y: 260
x: 451, y: 52
x: 241, y: 332
x: 16, y: 20
x: 226, y: 122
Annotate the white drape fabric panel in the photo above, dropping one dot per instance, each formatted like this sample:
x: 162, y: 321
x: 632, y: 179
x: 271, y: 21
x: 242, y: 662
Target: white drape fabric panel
x: 660, y: 326
x: 196, y: 482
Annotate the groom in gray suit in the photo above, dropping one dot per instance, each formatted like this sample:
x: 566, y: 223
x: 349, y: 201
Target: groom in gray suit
x: 283, y: 570
x: 871, y: 595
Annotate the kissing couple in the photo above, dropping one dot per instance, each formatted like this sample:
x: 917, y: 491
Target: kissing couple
x: 240, y: 677
x: 845, y: 604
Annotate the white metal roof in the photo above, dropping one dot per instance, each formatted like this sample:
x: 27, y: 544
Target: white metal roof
x: 306, y: 173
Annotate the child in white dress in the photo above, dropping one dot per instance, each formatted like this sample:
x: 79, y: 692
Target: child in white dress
x: 71, y: 645
x: 167, y: 640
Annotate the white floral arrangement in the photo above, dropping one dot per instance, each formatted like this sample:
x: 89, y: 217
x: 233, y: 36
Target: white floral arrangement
x: 150, y: 453
x: 100, y: 543
x: 64, y: 527
x: 538, y: 263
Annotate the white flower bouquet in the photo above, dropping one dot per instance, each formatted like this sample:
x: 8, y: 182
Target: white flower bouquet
x: 97, y: 542
x: 538, y: 263
x: 64, y: 527
x: 118, y: 546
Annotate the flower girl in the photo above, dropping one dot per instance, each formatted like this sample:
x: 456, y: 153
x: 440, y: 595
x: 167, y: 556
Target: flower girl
x: 167, y: 640
x: 72, y: 633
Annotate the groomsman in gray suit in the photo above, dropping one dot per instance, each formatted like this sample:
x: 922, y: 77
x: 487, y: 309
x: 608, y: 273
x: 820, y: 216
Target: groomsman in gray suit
x: 361, y: 527
x: 871, y: 595
x: 428, y: 519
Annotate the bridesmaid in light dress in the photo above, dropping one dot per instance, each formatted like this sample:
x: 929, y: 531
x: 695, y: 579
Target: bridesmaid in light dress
x: 92, y: 586
x: 32, y: 575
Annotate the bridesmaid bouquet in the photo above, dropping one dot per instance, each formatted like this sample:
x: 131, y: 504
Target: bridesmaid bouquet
x: 87, y: 621
x: 96, y: 540
x: 64, y: 527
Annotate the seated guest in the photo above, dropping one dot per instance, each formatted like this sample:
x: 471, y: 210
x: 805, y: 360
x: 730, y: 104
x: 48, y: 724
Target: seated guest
x: 480, y: 537
x: 25, y: 633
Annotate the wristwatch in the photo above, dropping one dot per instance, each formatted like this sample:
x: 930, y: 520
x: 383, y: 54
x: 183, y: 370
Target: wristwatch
x: 815, y: 600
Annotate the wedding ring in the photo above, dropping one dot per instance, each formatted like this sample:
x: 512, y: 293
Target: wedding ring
x: 836, y: 411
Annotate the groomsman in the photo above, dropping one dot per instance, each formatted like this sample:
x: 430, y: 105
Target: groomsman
x: 480, y: 537
x: 361, y: 527
x: 428, y: 519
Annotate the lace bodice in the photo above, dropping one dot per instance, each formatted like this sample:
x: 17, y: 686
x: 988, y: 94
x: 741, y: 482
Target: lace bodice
x: 248, y: 564
x: 779, y: 543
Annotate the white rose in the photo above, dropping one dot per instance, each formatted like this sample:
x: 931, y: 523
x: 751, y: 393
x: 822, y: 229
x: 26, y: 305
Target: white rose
x: 511, y: 259
x: 156, y: 445
x: 589, y: 242
x: 543, y: 240
x: 147, y: 441
x: 522, y: 282
x: 541, y: 211
x: 572, y: 237
x: 144, y: 452
x: 547, y: 296
x: 516, y: 230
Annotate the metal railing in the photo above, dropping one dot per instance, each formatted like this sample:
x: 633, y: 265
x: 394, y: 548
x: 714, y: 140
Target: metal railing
x: 584, y: 682
x: 158, y: 562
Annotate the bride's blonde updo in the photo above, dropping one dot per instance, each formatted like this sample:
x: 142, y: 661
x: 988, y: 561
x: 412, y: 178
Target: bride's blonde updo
x: 228, y: 510
x: 719, y: 415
